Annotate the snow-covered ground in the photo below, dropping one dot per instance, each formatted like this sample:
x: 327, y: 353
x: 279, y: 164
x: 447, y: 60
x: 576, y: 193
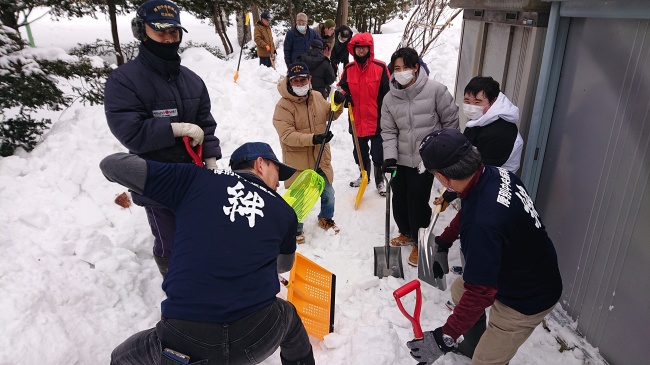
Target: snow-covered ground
x: 76, y: 272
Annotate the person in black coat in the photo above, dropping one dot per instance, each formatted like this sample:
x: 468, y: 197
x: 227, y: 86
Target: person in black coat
x: 322, y: 74
x: 152, y: 102
x: 340, y: 53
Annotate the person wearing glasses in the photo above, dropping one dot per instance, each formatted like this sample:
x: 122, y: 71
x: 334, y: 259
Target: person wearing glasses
x: 153, y: 101
x: 300, y: 118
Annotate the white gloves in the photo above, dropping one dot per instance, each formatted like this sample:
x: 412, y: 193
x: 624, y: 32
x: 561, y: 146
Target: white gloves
x: 210, y: 163
x: 188, y: 129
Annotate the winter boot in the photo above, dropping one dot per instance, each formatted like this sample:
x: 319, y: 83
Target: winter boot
x: 379, y: 181
x: 307, y: 360
x: 163, y: 264
x: 356, y: 183
x: 471, y: 337
x: 413, y: 257
x: 401, y: 240
x: 300, y: 238
x: 327, y: 223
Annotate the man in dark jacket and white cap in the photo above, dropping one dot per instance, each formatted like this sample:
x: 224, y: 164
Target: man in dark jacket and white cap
x: 152, y: 102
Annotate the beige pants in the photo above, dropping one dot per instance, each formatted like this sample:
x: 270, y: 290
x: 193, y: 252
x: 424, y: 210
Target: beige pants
x: 507, y: 330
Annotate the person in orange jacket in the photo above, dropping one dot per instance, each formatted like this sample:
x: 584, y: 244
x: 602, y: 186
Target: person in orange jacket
x: 365, y: 81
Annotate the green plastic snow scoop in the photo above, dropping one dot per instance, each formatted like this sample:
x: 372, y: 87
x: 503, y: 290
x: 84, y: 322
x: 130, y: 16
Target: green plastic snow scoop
x: 304, y: 192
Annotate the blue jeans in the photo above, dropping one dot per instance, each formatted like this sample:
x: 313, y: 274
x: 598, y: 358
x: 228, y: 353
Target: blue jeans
x: 326, y: 202
x: 249, y: 340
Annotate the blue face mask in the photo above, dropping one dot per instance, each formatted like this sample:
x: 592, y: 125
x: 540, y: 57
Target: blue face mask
x: 301, y: 28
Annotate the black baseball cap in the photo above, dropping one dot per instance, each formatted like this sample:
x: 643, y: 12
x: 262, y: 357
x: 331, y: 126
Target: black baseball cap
x: 160, y: 15
x: 250, y: 151
x: 443, y: 148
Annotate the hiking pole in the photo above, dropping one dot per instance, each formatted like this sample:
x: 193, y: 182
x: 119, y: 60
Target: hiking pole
x: 243, y: 42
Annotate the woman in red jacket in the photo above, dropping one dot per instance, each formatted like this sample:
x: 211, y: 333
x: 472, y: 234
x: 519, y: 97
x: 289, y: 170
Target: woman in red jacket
x: 365, y: 82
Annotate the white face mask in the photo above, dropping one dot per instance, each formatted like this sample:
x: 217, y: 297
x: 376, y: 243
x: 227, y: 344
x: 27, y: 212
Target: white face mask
x: 300, y: 90
x: 473, y: 112
x: 404, y: 77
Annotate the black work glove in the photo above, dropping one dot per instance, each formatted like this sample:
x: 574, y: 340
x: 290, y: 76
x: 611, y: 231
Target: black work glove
x: 430, y: 347
x: 440, y: 260
x: 389, y: 165
x: 449, y: 196
x: 338, y: 97
x: 322, y: 138
x: 348, y: 99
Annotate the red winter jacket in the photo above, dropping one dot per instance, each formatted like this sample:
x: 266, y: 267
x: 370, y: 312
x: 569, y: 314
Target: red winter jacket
x: 367, y: 83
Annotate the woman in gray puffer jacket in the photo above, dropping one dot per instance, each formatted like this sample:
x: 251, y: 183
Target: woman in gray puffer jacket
x: 414, y: 107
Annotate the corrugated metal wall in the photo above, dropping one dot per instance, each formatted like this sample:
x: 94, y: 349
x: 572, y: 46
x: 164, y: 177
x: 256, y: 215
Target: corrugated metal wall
x: 594, y: 190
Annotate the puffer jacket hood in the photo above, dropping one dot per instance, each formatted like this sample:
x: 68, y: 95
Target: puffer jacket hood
x: 362, y: 39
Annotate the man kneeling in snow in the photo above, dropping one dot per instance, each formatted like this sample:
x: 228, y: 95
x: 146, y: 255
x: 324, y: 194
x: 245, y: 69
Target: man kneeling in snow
x: 510, y: 262
x: 235, y: 234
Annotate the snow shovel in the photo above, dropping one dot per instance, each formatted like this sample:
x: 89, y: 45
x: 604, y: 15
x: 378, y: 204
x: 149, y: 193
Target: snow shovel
x: 197, y: 156
x: 311, y: 290
x: 304, y: 192
x: 427, y: 249
x: 243, y: 43
x: 415, y: 318
x: 388, y: 260
x: 364, y: 173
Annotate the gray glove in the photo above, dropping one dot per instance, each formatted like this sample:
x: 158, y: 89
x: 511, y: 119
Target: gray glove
x: 188, y: 129
x: 430, y: 347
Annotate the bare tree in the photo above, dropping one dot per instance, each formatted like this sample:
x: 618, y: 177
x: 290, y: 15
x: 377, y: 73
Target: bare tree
x: 342, y: 13
x: 220, y: 27
x: 429, y: 20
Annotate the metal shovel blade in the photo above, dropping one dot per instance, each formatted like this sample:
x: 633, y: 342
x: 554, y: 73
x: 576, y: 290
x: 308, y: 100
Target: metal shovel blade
x: 427, y: 249
x: 390, y: 265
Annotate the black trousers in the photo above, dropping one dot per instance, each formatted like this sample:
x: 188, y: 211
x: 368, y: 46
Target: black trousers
x: 266, y: 61
x: 411, y: 193
x: 370, y: 146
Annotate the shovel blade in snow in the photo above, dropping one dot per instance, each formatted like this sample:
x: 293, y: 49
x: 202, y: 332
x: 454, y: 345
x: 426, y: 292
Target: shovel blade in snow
x: 362, y: 188
x: 388, y: 267
x: 427, y: 249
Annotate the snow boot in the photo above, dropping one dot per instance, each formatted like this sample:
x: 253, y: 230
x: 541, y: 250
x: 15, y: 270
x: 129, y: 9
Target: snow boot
x: 413, y: 257
x: 300, y: 238
x: 327, y: 223
x: 379, y: 181
x: 163, y: 264
x: 401, y: 240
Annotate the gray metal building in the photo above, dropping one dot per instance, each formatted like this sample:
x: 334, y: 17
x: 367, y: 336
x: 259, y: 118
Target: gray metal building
x: 579, y: 70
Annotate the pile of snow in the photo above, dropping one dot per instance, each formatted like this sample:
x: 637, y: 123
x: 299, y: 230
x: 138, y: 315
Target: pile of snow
x: 76, y: 272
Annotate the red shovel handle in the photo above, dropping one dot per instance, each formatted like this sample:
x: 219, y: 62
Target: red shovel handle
x: 197, y: 156
x: 415, y: 319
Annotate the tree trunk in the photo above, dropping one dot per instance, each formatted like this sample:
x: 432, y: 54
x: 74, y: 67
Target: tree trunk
x: 342, y: 13
x: 292, y: 18
x: 243, y: 29
x: 112, y: 11
x: 256, y: 14
x: 220, y: 29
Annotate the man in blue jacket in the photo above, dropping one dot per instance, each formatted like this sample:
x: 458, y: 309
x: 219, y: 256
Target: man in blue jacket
x: 298, y: 39
x: 235, y: 234
x: 153, y: 101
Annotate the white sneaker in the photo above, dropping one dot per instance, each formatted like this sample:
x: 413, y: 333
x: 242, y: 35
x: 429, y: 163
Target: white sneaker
x: 356, y: 183
x: 381, y: 188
